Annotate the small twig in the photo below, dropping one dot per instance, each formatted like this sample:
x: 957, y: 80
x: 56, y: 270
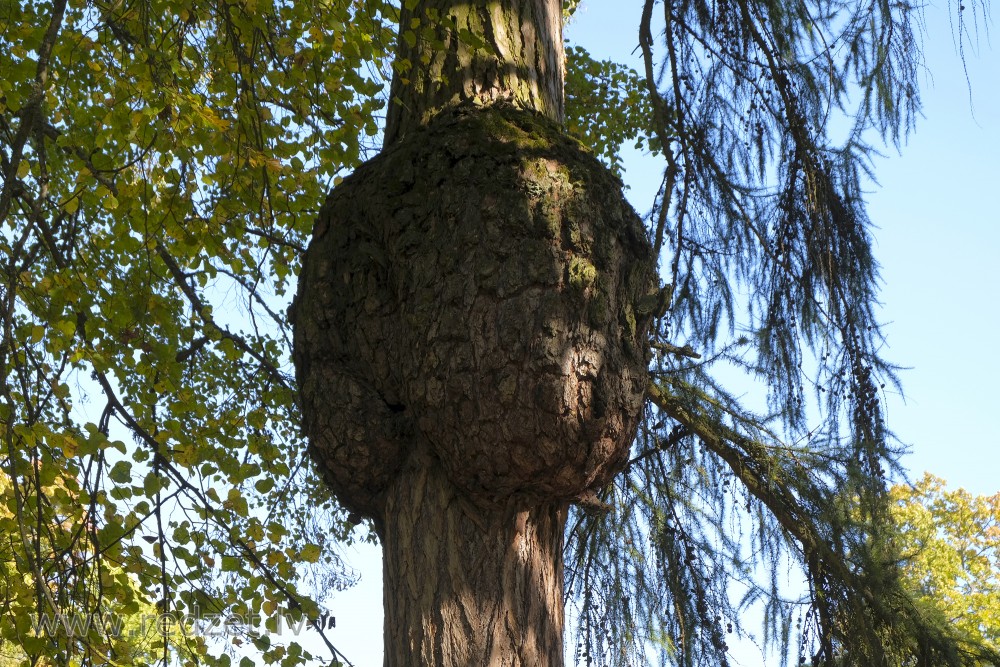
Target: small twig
x: 682, y: 351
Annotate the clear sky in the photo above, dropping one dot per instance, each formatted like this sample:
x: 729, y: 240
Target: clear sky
x: 938, y: 240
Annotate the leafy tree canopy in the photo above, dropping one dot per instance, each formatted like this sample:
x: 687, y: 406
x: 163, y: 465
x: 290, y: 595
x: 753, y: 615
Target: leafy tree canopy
x: 162, y: 164
x: 951, y: 542
x: 123, y: 627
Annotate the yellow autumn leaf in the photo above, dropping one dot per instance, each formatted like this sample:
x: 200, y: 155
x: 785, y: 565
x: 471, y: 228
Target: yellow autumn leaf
x: 310, y: 553
x: 69, y: 446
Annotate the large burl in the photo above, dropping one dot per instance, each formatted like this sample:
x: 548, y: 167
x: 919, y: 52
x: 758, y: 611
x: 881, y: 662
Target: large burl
x: 470, y: 294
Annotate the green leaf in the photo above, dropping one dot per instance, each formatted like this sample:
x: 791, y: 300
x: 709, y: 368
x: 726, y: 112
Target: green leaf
x: 121, y: 472
x: 66, y: 327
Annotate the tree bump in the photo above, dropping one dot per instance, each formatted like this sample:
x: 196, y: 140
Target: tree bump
x: 487, y: 307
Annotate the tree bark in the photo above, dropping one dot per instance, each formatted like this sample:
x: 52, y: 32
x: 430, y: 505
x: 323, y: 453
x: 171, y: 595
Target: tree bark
x: 470, y: 341
x: 467, y: 586
x: 520, y: 60
x: 471, y: 352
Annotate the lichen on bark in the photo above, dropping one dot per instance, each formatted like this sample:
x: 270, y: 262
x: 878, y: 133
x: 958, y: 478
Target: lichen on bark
x: 471, y: 292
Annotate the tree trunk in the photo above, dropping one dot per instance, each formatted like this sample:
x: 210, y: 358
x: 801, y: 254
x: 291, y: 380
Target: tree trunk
x: 471, y: 336
x: 466, y: 586
x: 509, y: 50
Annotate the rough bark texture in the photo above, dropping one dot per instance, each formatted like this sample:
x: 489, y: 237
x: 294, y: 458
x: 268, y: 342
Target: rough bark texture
x: 442, y: 64
x: 474, y: 287
x: 469, y: 343
x: 466, y: 586
x: 470, y: 360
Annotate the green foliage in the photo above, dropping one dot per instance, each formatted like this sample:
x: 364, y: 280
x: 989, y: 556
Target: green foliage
x: 115, y: 626
x: 607, y: 106
x: 162, y: 164
x: 951, y: 542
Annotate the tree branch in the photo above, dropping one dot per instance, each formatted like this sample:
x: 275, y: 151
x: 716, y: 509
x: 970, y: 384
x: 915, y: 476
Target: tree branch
x: 199, y: 307
x: 31, y: 112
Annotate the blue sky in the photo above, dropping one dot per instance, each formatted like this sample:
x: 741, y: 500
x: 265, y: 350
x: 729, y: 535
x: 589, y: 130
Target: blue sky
x: 938, y: 241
